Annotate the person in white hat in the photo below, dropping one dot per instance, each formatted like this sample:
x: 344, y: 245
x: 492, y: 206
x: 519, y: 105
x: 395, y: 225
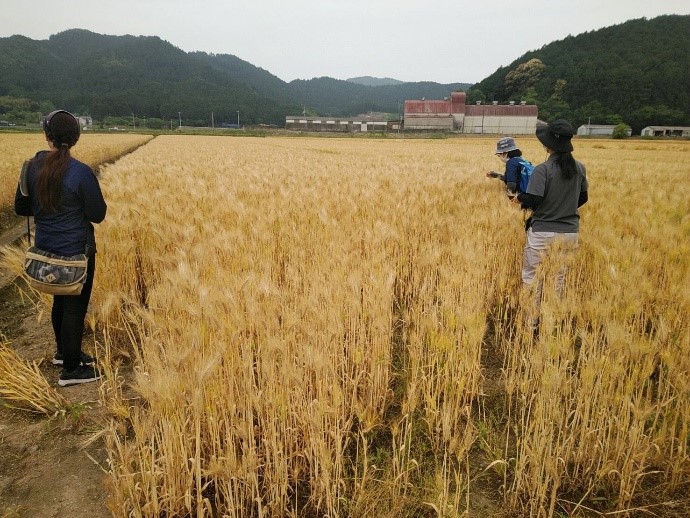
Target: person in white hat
x: 509, y: 153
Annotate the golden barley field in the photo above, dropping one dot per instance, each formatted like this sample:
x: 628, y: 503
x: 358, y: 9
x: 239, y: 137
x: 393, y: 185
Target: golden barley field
x: 93, y: 149
x: 309, y: 320
x: 336, y: 327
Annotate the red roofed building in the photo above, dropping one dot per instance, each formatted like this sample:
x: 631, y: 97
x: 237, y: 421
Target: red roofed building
x: 454, y: 115
x: 443, y: 115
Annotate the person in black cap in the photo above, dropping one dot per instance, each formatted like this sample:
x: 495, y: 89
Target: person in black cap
x: 509, y: 153
x: 65, y: 199
x: 557, y: 188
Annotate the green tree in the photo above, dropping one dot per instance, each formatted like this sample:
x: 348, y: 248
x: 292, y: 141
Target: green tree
x: 523, y: 76
x: 621, y: 130
x: 657, y: 115
x: 591, y: 113
x: 613, y: 119
x: 559, y: 89
x: 155, y: 123
x: 474, y: 95
x: 530, y: 96
x: 554, y: 109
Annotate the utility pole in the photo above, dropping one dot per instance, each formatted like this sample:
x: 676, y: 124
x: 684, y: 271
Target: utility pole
x: 238, y: 119
x: 212, y: 119
x: 179, y: 114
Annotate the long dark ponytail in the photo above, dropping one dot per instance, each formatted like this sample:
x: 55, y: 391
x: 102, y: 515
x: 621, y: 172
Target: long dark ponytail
x: 62, y: 129
x: 566, y: 163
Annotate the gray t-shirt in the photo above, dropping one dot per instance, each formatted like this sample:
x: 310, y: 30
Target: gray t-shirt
x: 558, y: 210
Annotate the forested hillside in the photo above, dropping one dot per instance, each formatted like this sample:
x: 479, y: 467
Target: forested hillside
x: 637, y: 72
x: 146, y: 77
x: 124, y: 76
x: 330, y: 96
x: 374, y: 81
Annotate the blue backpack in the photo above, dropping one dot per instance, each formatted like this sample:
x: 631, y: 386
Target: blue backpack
x: 526, y: 169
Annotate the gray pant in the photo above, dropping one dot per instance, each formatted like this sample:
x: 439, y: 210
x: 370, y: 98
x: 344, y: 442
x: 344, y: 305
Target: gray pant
x: 536, y: 245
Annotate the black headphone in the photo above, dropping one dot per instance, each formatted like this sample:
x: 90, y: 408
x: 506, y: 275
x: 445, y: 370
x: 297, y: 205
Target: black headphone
x: 48, y: 118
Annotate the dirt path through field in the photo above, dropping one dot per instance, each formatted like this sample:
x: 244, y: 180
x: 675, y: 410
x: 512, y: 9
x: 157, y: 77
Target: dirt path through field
x: 45, y: 469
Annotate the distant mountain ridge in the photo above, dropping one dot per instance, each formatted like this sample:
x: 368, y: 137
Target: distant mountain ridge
x: 374, y: 81
x: 342, y: 98
x: 104, y: 75
x: 636, y: 72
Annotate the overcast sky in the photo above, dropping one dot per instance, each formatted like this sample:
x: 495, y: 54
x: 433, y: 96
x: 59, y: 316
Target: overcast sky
x: 445, y: 41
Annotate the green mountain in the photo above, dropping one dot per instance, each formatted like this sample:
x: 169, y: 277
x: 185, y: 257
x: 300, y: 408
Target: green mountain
x: 374, y: 81
x: 342, y: 98
x: 637, y: 72
x: 144, y: 76
x: 104, y: 76
x: 261, y: 80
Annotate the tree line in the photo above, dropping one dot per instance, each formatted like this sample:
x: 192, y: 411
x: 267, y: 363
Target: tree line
x: 110, y: 77
x: 634, y: 73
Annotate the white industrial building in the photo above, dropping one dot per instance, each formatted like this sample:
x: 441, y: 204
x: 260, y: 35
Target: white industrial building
x: 666, y: 131
x: 454, y: 115
x: 594, y: 130
x: 85, y: 122
x: 361, y: 123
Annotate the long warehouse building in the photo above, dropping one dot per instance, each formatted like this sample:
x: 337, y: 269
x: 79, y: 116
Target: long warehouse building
x: 454, y: 115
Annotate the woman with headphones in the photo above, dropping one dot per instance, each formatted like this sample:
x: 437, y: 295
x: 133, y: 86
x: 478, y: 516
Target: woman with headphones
x: 65, y: 199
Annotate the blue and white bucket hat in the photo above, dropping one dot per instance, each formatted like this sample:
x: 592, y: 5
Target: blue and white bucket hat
x: 505, y: 145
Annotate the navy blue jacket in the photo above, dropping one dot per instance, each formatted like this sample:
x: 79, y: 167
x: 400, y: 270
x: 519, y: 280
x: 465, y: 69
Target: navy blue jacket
x: 512, y: 174
x: 67, y: 231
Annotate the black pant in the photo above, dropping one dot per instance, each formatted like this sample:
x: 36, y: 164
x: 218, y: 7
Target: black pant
x: 67, y: 317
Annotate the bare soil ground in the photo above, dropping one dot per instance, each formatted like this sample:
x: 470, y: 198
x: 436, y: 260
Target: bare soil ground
x: 45, y: 468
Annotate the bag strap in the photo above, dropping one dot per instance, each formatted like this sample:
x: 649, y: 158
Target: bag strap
x: 24, y: 178
x: 24, y: 190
